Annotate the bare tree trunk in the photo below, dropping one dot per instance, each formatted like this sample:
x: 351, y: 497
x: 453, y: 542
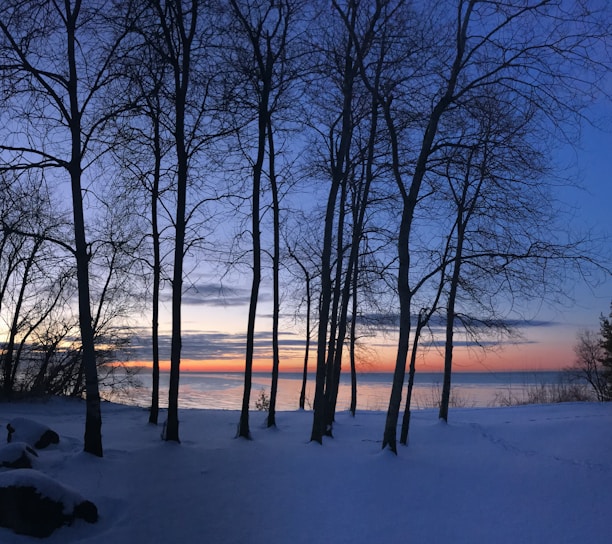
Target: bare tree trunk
x: 265, y: 60
x: 353, y: 340
x: 422, y: 320
x: 337, y: 324
x: 318, y: 424
x: 179, y: 34
x: 448, y: 345
x: 93, y: 421
x: 302, y: 400
x: 405, y: 298
x: 154, y: 411
x: 172, y: 424
x: 93, y: 417
x: 465, y: 208
x: 411, y: 372
x: 243, y: 425
x: 345, y: 297
x: 359, y: 204
x: 271, y: 421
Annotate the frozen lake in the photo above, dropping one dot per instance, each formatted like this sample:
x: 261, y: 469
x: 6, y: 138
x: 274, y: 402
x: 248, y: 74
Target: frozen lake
x: 224, y: 390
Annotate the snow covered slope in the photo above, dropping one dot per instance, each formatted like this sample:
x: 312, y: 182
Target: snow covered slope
x: 529, y: 474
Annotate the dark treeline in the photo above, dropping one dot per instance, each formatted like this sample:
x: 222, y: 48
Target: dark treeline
x: 382, y: 165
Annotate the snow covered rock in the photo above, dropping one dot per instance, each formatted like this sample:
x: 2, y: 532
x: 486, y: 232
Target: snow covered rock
x: 34, y: 504
x: 17, y: 455
x: 32, y: 432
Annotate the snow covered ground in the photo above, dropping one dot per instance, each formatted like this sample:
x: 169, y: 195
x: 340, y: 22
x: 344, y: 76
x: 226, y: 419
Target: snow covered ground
x: 529, y: 474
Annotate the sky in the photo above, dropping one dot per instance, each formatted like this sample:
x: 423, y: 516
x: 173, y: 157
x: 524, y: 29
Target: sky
x: 214, y: 326
x: 214, y: 323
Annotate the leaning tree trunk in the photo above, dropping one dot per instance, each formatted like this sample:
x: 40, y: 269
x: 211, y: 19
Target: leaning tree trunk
x: 405, y: 298
x: 463, y: 216
x: 338, y: 322
x: 411, y: 373
x: 358, y: 208
x: 341, y: 336
x: 423, y: 318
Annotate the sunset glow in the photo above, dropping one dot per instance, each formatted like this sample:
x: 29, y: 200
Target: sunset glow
x: 528, y: 356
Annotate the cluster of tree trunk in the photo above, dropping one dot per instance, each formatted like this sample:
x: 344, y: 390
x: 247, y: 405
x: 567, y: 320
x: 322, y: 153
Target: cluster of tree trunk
x: 386, y: 161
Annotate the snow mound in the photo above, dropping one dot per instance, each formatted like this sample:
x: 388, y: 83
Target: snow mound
x: 32, y: 432
x: 34, y: 504
x: 17, y: 455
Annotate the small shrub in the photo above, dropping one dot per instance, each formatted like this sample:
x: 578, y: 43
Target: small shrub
x: 263, y: 402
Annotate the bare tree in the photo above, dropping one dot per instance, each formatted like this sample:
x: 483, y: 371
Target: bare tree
x: 256, y: 31
x: 57, y: 78
x: 308, y: 312
x: 182, y: 36
x: 300, y: 241
x: 8, y: 363
x: 262, y: 56
x: 39, y: 310
x: 339, y: 138
x: 497, y: 185
x: 492, y: 45
x: 144, y: 158
x: 588, y: 364
x: 594, y: 359
x: 363, y: 171
x: 178, y: 23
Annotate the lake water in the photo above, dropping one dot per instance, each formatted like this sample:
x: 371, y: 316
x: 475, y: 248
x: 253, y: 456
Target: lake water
x: 224, y: 390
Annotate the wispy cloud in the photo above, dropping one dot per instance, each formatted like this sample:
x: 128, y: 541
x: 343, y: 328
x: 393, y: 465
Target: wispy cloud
x: 390, y: 321
x: 215, y: 294
x: 218, y: 345
x: 479, y: 344
x: 202, y: 345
